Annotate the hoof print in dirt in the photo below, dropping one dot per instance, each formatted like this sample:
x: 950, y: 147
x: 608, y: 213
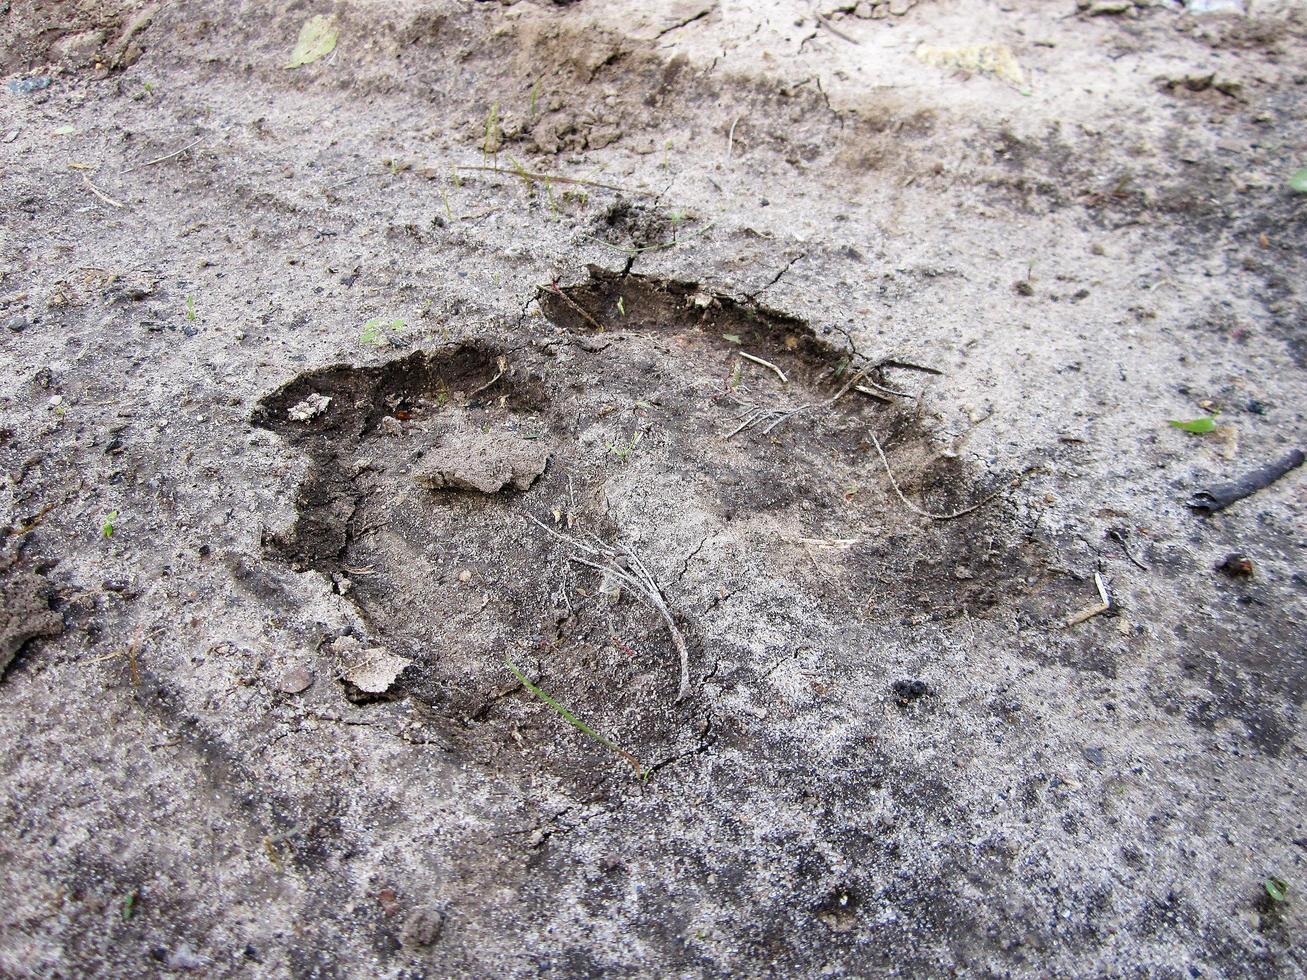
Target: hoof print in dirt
x: 613, y: 519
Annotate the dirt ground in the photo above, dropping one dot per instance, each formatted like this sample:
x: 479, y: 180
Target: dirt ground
x: 612, y: 488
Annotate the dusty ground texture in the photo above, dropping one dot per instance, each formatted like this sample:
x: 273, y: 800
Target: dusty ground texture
x: 309, y: 435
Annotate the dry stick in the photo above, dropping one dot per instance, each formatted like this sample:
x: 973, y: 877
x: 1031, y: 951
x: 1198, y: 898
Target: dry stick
x: 913, y: 507
x: 888, y: 391
x: 166, y: 156
x: 730, y: 137
x: 767, y: 364
x: 836, y: 31
x: 1092, y: 611
x: 101, y: 194
x: 645, y: 584
x: 579, y: 309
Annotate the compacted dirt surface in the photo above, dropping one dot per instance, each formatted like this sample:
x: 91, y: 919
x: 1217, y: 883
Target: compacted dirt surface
x: 658, y: 489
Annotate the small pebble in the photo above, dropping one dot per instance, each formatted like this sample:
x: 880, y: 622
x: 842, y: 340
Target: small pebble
x: 295, y: 680
x: 1236, y: 565
x: 465, y: 576
x: 17, y: 324
x: 422, y: 928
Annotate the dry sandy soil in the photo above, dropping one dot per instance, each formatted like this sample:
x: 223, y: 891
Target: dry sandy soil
x: 510, y: 352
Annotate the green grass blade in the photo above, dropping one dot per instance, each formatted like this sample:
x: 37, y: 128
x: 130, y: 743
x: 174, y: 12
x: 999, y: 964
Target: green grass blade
x: 572, y: 719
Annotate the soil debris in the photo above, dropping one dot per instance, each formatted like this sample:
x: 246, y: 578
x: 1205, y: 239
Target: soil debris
x: 374, y: 675
x: 310, y: 408
x: 484, y: 463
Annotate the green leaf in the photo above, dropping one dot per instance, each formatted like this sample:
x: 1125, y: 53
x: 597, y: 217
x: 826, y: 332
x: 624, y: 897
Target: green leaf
x: 65, y: 131
x: 1298, y: 182
x: 1277, y: 888
x: 733, y: 338
x: 106, y: 529
x: 1204, y: 424
x: 317, y: 40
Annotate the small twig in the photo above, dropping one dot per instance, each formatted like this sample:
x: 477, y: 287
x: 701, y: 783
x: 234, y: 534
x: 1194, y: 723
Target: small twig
x: 730, y: 137
x: 909, y: 366
x: 577, y: 307
x: 835, y: 30
x: 489, y: 384
x: 638, y: 579
x: 863, y: 390
x: 767, y: 364
x: 130, y: 653
x: 166, y: 156
x: 1103, y: 606
x: 1120, y: 538
x: 101, y: 194
x: 35, y: 522
x: 889, y: 391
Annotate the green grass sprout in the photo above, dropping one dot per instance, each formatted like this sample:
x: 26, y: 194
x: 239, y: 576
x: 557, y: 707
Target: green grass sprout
x: 576, y: 722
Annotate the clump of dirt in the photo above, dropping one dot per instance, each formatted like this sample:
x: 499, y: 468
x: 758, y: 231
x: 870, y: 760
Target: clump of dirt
x: 455, y: 497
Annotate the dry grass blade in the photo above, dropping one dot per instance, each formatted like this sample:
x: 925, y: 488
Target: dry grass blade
x: 523, y: 174
x: 166, y: 156
x: 101, y: 194
x: 765, y: 363
x: 773, y: 417
x: 605, y: 558
x: 925, y: 513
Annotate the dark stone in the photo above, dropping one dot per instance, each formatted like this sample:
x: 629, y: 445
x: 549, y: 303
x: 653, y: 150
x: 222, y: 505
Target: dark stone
x: 908, y: 691
x: 26, y: 86
x: 1236, y: 565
